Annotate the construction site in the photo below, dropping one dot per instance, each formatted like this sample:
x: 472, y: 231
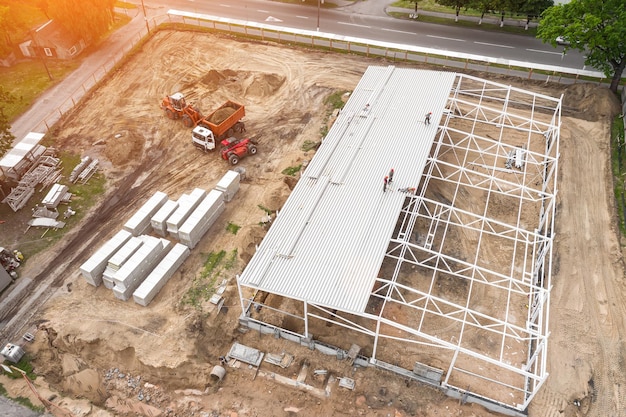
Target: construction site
x: 442, y: 244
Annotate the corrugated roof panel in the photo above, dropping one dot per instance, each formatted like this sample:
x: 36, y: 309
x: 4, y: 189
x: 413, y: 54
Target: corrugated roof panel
x: 337, y: 222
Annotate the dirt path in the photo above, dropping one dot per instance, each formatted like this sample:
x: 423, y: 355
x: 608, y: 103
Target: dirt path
x: 586, y: 347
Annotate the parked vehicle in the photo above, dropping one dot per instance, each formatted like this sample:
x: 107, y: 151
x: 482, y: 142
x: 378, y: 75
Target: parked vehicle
x: 224, y: 122
x: 176, y: 107
x: 234, y: 149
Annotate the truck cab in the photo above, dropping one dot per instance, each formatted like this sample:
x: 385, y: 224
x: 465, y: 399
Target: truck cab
x: 203, y: 138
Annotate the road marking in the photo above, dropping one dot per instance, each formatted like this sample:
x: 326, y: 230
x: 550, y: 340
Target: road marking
x: 302, y: 17
x: 223, y: 5
x: 354, y: 24
x: 495, y: 44
x: 398, y: 31
x: 443, y: 37
x: 545, y: 52
x: 272, y: 19
x: 262, y: 11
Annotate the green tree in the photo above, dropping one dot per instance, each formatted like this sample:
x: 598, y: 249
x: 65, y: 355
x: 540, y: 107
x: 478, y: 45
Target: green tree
x: 533, y: 9
x: 86, y: 19
x: 6, y: 137
x: 457, y: 4
x: 596, y: 28
x: 415, y: 1
x: 483, y: 6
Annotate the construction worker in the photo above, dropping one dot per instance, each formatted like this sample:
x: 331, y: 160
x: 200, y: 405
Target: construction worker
x: 391, y: 176
x: 385, y: 184
x: 427, y: 120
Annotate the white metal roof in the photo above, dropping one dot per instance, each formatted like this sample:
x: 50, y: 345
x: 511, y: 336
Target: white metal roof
x: 329, y: 240
x: 20, y: 150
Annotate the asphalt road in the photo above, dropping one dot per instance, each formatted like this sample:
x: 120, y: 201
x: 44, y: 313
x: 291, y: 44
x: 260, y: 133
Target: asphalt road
x: 374, y: 22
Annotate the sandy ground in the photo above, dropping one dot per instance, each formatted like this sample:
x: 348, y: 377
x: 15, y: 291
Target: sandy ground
x: 100, y: 356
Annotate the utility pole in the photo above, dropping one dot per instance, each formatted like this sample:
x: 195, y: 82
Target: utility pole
x: 143, y: 7
x: 318, y: 15
x: 40, y: 55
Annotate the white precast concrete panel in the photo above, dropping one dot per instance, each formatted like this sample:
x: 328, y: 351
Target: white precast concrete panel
x: 329, y: 240
x: 159, y: 276
x: 93, y: 268
x: 185, y: 208
x: 141, y: 219
x: 229, y: 185
x: 201, y: 219
x: 159, y: 220
x: 55, y: 196
x: 138, y: 266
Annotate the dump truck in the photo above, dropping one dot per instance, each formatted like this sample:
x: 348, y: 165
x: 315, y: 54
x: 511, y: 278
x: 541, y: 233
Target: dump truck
x: 224, y: 122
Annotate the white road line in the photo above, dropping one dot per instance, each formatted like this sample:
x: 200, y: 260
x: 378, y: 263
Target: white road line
x: 443, y: 37
x: 223, y: 5
x: 398, y: 31
x: 262, y: 11
x: 302, y: 17
x: 495, y: 44
x: 545, y: 52
x: 354, y: 24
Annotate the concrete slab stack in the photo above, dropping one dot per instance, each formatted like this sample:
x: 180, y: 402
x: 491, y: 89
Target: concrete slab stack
x: 138, y: 266
x: 157, y: 279
x: 93, y: 268
x: 201, y: 219
x: 229, y: 184
x: 158, y: 221
x: 55, y: 196
x: 185, y: 208
x: 140, y: 221
x: 118, y: 259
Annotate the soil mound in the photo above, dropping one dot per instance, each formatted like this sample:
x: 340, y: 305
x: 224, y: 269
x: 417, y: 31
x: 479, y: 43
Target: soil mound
x: 263, y: 85
x: 590, y: 102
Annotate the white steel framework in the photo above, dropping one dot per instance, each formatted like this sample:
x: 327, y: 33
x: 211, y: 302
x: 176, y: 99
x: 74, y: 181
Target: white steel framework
x: 464, y: 285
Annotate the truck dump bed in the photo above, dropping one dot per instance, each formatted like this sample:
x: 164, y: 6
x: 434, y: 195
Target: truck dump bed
x: 224, y: 118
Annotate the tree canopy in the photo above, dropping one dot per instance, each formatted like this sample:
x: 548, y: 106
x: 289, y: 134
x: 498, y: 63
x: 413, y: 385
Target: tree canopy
x: 87, y: 19
x: 596, y: 28
x: 6, y: 137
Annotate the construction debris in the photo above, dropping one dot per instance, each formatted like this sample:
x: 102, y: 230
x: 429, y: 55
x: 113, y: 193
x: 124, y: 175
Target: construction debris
x: 45, y: 171
x: 279, y: 359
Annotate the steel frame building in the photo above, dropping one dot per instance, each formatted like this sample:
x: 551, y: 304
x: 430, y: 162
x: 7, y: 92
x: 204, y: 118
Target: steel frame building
x: 442, y: 276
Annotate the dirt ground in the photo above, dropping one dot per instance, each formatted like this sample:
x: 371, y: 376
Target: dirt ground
x: 99, y: 356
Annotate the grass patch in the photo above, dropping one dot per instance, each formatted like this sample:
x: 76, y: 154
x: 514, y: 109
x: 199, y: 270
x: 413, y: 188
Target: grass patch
x: 531, y: 31
x: 309, y: 145
x: 335, y: 100
x: 618, y: 164
x: 233, y: 228
x: 27, y: 80
x: 25, y: 365
x: 292, y: 171
x: 216, y: 266
x: 125, y: 5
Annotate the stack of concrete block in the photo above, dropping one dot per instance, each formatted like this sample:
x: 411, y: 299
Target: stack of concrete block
x: 201, y: 219
x: 138, y: 266
x: 93, y: 268
x: 117, y: 261
x: 187, y: 204
x: 229, y: 185
x: 158, y: 221
x: 140, y: 221
x: 159, y: 276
